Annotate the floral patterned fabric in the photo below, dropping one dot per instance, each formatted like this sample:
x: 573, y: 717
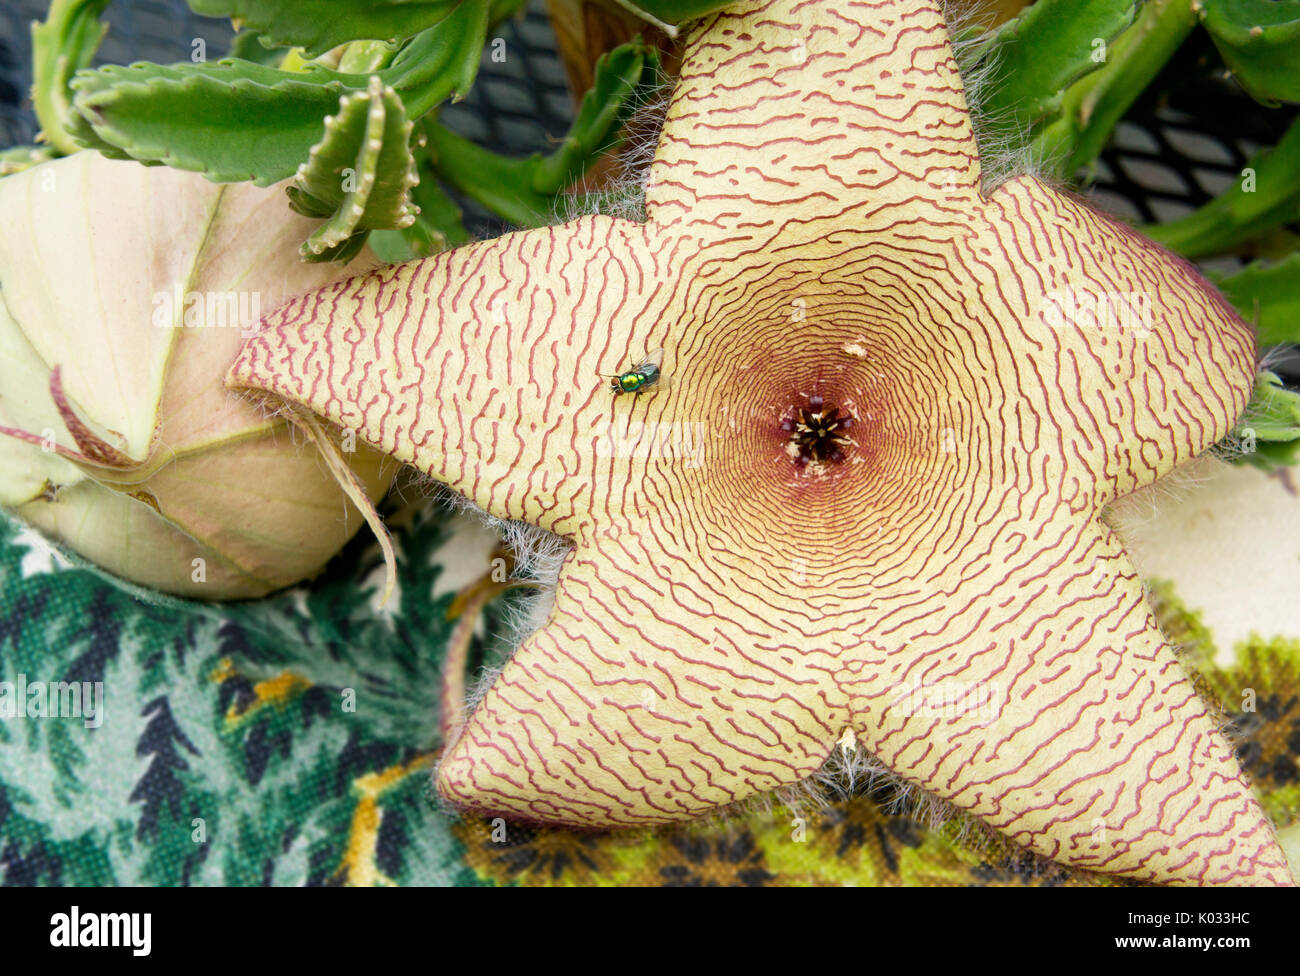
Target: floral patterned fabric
x: 289, y: 741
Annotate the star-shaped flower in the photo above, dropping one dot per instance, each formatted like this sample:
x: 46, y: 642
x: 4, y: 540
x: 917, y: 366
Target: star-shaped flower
x: 944, y: 588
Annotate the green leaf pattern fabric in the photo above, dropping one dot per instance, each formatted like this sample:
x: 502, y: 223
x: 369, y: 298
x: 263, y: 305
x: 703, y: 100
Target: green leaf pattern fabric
x: 289, y: 741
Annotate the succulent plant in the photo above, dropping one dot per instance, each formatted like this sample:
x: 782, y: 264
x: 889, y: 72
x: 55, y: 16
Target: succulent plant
x: 341, y: 96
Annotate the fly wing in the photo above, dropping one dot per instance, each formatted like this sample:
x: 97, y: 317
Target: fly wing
x: 655, y: 358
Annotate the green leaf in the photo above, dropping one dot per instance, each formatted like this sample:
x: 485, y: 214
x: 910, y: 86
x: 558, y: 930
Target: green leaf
x: 235, y: 120
x: 1037, y: 55
x: 1260, y: 43
x: 65, y: 43
x: 1268, y: 194
x: 1268, y: 293
x: 523, y: 190
x: 1092, y: 106
x: 318, y: 25
x: 1268, y: 434
x: 360, y: 175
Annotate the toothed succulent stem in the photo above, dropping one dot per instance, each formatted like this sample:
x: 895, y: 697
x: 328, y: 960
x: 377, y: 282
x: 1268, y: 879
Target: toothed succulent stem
x: 359, y: 176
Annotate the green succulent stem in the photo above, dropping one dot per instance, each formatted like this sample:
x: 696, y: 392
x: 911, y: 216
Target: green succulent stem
x: 1038, y: 55
x: 501, y: 184
x: 1260, y: 43
x: 1094, y: 105
x: 18, y: 158
x: 363, y: 57
x: 523, y: 190
x: 62, y: 44
x: 1268, y: 434
x: 1267, y: 195
x: 1268, y: 293
x: 237, y: 120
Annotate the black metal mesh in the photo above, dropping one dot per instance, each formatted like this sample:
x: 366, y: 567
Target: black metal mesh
x: 1185, y: 141
x: 1161, y: 166
x: 17, y: 125
x: 139, y: 30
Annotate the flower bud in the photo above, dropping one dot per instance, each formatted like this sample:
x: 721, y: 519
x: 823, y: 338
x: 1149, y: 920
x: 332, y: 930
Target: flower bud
x: 126, y: 293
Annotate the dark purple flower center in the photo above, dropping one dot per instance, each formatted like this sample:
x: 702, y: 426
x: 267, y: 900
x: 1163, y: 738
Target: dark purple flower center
x: 818, y: 432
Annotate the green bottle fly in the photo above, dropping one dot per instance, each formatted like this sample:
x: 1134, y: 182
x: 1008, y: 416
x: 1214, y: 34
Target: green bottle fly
x: 640, y: 377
